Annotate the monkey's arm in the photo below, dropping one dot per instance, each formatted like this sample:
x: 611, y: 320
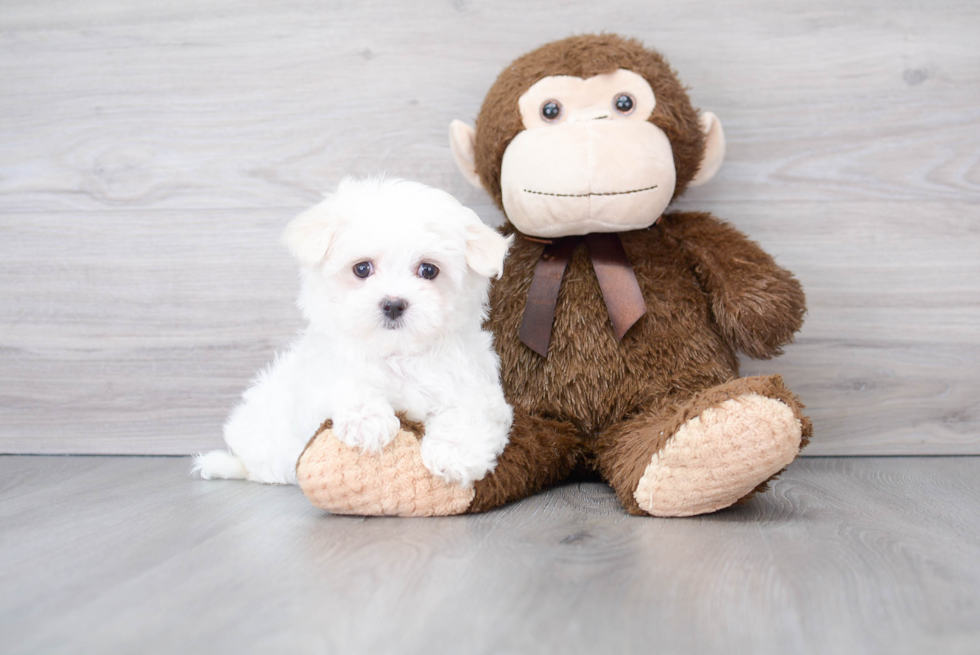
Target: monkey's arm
x: 758, y: 304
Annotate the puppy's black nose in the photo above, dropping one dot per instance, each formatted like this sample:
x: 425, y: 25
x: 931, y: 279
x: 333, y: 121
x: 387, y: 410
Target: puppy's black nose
x: 394, y: 307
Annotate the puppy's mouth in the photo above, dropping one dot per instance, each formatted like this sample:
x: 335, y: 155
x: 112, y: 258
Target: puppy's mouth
x: 390, y: 324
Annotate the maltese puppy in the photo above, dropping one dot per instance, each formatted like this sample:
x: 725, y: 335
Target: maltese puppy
x: 395, y: 277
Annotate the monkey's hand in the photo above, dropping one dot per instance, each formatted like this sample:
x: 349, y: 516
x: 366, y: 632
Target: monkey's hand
x: 758, y: 304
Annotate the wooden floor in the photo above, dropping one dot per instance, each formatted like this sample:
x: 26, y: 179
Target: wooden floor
x: 128, y: 554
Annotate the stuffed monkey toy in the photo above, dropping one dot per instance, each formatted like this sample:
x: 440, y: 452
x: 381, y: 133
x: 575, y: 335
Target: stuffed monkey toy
x: 617, y: 325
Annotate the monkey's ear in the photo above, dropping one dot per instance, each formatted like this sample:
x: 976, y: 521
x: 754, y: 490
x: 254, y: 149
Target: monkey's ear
x: 462, y: 138
x: 714, y: 149
x: 309, y: 235
x: 486, y: 249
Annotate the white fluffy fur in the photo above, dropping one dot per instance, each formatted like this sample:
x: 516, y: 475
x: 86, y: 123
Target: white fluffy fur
x: 355, y: 366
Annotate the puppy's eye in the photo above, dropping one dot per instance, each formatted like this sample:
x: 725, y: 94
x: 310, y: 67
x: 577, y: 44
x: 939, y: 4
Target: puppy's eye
x: 551, y: 110
x: 428, y: 271
x: 363, y: 269
x: 624, y: 103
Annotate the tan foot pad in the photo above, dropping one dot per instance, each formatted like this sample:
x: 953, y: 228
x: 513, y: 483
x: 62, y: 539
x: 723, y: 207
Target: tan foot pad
x: 394, y: 482
x: 720, y: 456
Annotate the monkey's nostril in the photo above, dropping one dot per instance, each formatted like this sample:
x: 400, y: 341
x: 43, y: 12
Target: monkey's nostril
x: 394, y: 307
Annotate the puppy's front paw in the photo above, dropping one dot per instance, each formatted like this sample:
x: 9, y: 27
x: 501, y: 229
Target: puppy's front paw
x: 448, y: 458
x: 370, y: 426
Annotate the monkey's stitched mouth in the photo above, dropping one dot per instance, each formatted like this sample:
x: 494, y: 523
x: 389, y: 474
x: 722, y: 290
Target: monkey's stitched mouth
x: 587, y: 195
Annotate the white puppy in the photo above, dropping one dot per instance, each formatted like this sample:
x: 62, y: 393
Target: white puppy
x: 395, y: 277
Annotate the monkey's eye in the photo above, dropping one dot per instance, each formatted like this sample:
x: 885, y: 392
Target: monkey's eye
x: 363, y: 269
x: 624, y: 103
x: 551, y: 110
x: 428, y: 271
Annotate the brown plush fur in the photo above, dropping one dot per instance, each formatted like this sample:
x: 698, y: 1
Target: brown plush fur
x: 542, y: 451
x: 679, y: 359
x: 596, y: 402
x: 625, y: 450
x: 679, y: 347
x: 586, y: 56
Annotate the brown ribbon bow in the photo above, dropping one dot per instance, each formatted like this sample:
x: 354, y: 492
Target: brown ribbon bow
x: 620, y: 290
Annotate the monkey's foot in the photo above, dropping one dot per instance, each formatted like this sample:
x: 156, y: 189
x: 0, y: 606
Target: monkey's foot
x: 720, y: 456
x: 393, y: 482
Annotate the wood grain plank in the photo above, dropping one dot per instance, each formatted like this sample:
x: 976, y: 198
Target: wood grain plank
x: 855, y: 555
x: 204, y: 105
x: 151, y: 155
x: 145, y: 327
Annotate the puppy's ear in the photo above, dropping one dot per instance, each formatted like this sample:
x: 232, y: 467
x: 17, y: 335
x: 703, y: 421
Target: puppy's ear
x: 486, y: 249
x: 309, y: 235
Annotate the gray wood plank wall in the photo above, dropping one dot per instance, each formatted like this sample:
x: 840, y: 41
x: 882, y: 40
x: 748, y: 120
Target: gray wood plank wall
x: 151, y: 154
